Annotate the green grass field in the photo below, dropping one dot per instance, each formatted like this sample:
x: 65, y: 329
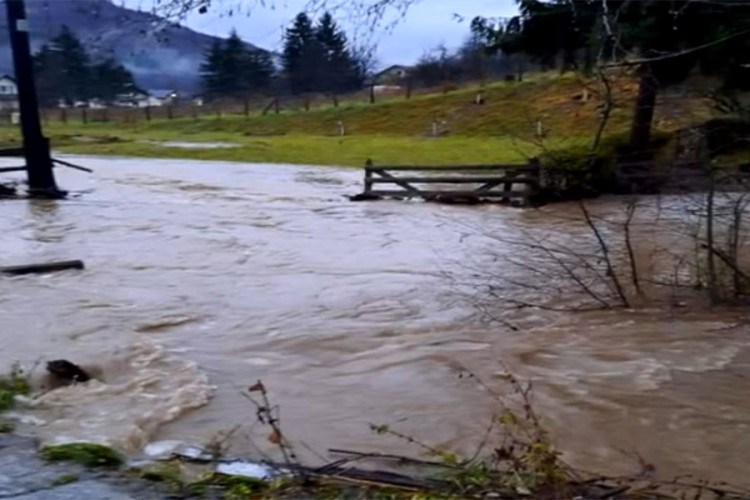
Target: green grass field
x: 393, y: 131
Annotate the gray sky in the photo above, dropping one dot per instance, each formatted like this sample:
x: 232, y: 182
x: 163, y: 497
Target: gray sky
x: 426, y: 25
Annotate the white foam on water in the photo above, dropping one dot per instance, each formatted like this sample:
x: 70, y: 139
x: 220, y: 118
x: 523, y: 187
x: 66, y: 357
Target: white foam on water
x: 142, y: 387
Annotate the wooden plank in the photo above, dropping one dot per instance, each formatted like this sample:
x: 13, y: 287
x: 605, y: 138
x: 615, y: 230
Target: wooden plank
x: 47, y: 267
x: 72, y: 165
x: 12, y: 169
x: 393, y: 180
x: 11, y: 152
x: 457, y: 180
x: 447, y: 168
x: 423, y: 193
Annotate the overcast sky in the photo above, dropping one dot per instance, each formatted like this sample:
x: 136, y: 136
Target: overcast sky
x: 426, y: 25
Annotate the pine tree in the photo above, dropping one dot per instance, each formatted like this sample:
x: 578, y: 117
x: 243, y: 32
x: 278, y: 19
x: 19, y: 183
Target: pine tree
x: 46, y: 71
x: 110, y: 79
x: 73, y: 63
x: 302, y: 55
x: 64, y: 73
x: 231, y: 70
x: 259, y: 69
x: 233, y: 76
x: 211, y: 70
x: 337, y: 69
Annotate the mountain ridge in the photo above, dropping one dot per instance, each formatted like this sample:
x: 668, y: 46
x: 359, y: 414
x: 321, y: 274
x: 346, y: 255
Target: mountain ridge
x: 160, y: 54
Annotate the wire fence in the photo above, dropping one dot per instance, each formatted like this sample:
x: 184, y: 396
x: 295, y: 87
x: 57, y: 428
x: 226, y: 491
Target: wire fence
x: 182, y: 109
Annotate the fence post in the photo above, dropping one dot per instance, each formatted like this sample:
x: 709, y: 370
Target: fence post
x: 372, y: 94
x: 277, y: 106
x: 368, y: 176
x: 408, y: 89
x: 63, y: 115
x: 84, y: 116
x: 335, y: 101
x: 170, y: 112
x: 147, y: 111
x: 246, y: 107
x: 538, y: 172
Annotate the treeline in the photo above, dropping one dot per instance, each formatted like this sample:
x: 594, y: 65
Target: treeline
x: 664, y: 42
x: 469, y: 63
x: 316, y: 58
x: 65, y: 74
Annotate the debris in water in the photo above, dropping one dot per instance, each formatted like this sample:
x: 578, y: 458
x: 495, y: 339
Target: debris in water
x: 167, y: 450
x: 66, y: 371
x: 244, y: 469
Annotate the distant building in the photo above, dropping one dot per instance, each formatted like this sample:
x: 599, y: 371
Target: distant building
x: 392, y: 75
x: 165, y: 96
x: 8, y: 93
x: 138, y: 99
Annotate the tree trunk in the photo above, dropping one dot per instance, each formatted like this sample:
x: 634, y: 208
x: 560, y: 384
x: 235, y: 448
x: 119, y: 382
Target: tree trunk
x: 643, y: 116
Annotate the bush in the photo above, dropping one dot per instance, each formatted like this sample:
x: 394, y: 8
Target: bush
x: 86, y: 454
x: 576, y: 172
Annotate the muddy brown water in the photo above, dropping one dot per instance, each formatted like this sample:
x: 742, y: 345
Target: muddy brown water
x: 203, y: 277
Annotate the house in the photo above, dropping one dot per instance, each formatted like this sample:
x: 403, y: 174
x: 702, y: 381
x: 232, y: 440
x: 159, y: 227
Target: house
x: 138, y: 99
x: 8, y: 93
x: 166, y: 97
x: 392, y: 75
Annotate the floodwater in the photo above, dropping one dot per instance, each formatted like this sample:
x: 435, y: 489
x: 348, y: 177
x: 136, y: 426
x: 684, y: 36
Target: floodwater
x: 203, y: 277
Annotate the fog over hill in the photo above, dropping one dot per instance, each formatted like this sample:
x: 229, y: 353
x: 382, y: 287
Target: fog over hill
x: 161, y: 55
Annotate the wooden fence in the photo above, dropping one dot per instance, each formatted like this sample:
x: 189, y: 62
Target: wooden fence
x: 474, y: 183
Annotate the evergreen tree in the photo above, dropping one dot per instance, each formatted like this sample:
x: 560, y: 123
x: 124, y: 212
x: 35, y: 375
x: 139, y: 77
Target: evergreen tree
x: 68, y: 57
x: 302, y: 55
x: 318, y: 58
x: 231, y: 70
x: 110, y: 79
x: 259, y: 69
x: 64, y: 73
x: 211, y: 70
x: 338, y: 70
x: 46, y: 70
x: 232, y: 76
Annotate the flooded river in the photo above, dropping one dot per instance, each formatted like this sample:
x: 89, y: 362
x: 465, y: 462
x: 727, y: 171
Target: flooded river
x: 204, y: 277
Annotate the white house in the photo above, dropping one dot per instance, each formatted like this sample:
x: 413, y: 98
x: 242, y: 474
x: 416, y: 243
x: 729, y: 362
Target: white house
x: 8, y: 93
x: 138, y: 100
x: 166, y: 96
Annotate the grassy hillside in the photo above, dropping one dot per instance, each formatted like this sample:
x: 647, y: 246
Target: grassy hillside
x: 504, y: 129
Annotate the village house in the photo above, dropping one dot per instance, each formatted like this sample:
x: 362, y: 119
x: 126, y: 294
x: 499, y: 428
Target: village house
x: 392, y: 75
x: 8, y: 93
x: 140, y: 99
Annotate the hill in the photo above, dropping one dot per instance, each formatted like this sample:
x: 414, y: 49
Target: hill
x: 547, y: 113
x: 161, y: 54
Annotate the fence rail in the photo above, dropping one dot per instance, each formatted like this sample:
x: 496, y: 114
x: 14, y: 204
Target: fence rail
x: 491, y: 183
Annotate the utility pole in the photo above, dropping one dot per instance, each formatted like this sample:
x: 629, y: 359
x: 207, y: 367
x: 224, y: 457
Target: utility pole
x: 36, y: 147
